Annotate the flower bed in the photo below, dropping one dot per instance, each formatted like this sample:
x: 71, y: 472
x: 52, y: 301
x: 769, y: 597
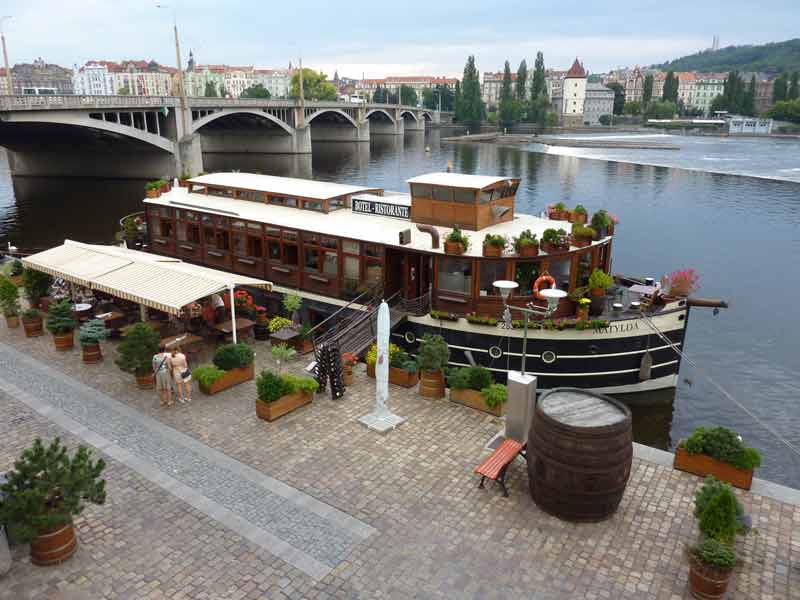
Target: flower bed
x: 473, y: 387
x: 402, y: 368
x: 718, y: 452
x: 279, y: 395
x: 233, y: 364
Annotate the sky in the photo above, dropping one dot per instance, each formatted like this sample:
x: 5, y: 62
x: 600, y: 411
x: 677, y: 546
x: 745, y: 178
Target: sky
x: 374, y: 39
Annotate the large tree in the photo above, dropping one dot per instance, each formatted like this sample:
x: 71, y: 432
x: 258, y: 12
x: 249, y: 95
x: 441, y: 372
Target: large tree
x: 457, y: 100
x: 647, y: 92
x: 256, y: 91
x: 315, y: 86
x: 470, y: 105
x: 379, y: 96
x: 749, y: 101
x: 431, y: 98
x: 508, y: 104
x: 670, y: 92
x: 211, y: 90
x: 522, y: 81
x: 619, y: 96
x: 793, y: 93
x: 786, y: 110
x: 408, y: 95
x: 661, y: 110
x: 779, y: 88
x: 538, y: 85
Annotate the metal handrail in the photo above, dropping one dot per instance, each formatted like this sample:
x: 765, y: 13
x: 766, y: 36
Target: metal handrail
x: 329, y: 317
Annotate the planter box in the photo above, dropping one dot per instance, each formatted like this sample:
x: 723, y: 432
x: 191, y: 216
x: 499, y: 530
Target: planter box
x: 577, y: 217
x: 230, y: 379
x: 431, y: 384
x: 553, y: 249
x: 91, y: 354
x: 581, y: 242
x: 474, y: 399
x: 528, y: 251
x: 12, y: 322
x: 492, y: 251
x: 269, y: 411
x: 397, y: 376
x: 702, y: 464
x: 152, y: 193
x: 453, y: 248
x: 64, y: 341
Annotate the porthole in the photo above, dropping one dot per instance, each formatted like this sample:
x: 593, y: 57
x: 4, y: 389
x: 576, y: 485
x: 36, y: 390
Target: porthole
x: 495, y: 352
x: 681, y: 317
x: 410, y: 337
x: 548, y: 357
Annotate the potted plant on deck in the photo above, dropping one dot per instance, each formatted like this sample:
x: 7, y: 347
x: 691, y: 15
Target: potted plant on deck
x: 281, y: 394
x: 136, y: 351
x: 599, y: 282
x: 494, y: 244
x: 582, y: 311
x: 456, y: 242
x: 555, y: 240
x: 433, y: 356
x: 582, y: 235
x: 32, y: 322
x: 61, y: 323
x: 89, y: 336
x: 348, y: 362
x: 9, y: 302
x: 601, y: 223
x: 711, y: 565
x: 578, y: 214
x: 473, y: 387
x: 683, y: 282
x: 37, y: 285
x: 15, y: 275
x: 526, y: 245
x: 401, y: 370
x: 558, y: 212
x: 233, y: 364
x: 719, y: 452
x: 152, y: 189
x: 44, y: 491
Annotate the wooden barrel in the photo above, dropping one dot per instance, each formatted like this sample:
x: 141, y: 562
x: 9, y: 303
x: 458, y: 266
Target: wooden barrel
x: 54, y: 546
x: 64, y: 341
x: 92, y: 354
x: 580, y: 449
x: 145, y: 382
x: 431, y: 384
x: 33, y: 328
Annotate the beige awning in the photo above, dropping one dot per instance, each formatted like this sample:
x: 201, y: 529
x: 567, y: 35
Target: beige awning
x: 160, y: 282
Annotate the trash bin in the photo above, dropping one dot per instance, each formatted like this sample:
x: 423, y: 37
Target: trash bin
x: 5, y: 553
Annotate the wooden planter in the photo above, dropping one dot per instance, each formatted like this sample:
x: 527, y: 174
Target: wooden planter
x: 577, y: 217
x: 16, y: 280
x: 64, y: 341
x: 12, y: 322
x: 269, y: 411
x: 558, y: 215
x: 492, y: 251
x: 453, y: 248
x: 702, y: 464
x: 184, y: 183
x: 598, y: 292
x: 402, y: 377
x: 474, y: 399
x: 152, y: 193
x: 230, y: 379
x: 552, y: 248
x: 371, y: 370
x: 528, y: 251
x: 146, y: 382
x: 33, y: 327
x: 431, y: 384
x: 347, y: 374
x: 91, y: 354
x: 165, y: 187
x: 581, y: 242
x: 707, y: 582
x: 54, y: 546
x: 302, y: 345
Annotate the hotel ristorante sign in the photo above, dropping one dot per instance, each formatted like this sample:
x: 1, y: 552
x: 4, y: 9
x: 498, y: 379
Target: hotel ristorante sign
x: 383, y: 209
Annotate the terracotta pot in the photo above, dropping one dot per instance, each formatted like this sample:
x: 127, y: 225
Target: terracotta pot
x: 269, y: 411
x: 12, y: 322
x: 184, y: 183
x: 492, y: 251
x: 347, y: 374
x: 371, y: 370
x: 431, y: 384
x: 64, y: 341
x: 165, y: 187
x: 703, y: 465
x: 54, y: 546
x: 145, y: 382
x: 474, y: 399
x: 582, y: 312
x: 229, y: 379
x: 262, y: 318
x: 577, y: 218
x: 453, y: 248
x: 33, y: 327
x: 152, y: 193
x: 552, y: 248
x: 707, y: 582
x: 680, y: 288
x: 91, y: 354
x: 528, y: 251
x: 598, y: 292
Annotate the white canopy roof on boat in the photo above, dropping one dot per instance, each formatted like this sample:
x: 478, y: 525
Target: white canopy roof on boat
x: 284, y: 186
x: 473, y: 182
x: 160, y: 282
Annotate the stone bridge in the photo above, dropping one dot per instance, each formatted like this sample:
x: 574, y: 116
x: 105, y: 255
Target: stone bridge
x: 148, y: 136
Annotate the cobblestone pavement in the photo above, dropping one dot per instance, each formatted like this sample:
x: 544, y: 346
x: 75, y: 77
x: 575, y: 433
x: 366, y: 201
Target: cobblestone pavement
x: 436, y: 535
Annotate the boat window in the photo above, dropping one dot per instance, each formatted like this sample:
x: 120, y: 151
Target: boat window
x: 238, y: 224
x: 239, y: 244
x: 373, y: 273
x: 290, y: 235
x: 444, y: 194
x: 420, y: 191
x: 311, y: 258
x: 329, y: 242
x: 352, y: 275
x: 491, y: 271
x: 559, y: 270
x: 254, y: 228
x: 313, y: 205
x: 274, y: 250
x: 330, y: 265
x: 283, y: 201
x: 464, y: 196
x: 222, y: 192
x: 311, y: 238
x: 351, y: 247
x: 272, y: 232
x: 223, y: 222
x: 290, y: 254
x: 197, y: 189
x: 337, y: 203
x: 207, y: 219
x: 455, y: 275
x: 189, y: 232
x: 250, y: 195
x: 254, y: 246
x: 189, y: 215
x: 526, y: 272
x: 373, y: 250
x: 166, y: 228
x: 223, y: 239
x: 486, y: 196
x: 166, y: 213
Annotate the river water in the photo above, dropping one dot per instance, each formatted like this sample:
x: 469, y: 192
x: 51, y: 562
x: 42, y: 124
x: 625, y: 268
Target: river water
x: 741, y: 233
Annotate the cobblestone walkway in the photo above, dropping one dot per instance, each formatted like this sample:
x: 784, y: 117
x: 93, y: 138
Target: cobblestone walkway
x: 306, y: 533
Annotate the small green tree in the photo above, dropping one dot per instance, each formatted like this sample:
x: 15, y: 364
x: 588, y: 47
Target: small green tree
x: 124, y: 91
x: 434, y: 353
x: 634, y: 107
x: 779, y: 88
x: 507, y: 109
x: 256, y: 91
x: 47, y: 488
x: 282, y: 353
x: 718, y: 520
x: 92, y: 332
x: 9, y: 297
x: 291, y: 303
x: 408, y: 95
x: 470, y: 106
x: 670, y: 91
x: 36, y: 284
x: 539, y: 82
x: 315, y: 86
x: 647, y: 91
x: 619, y: 96
x: 522, y: 81
x: 793, y: 91
x: 60, y: 319
x: 137, y: 348
x: 211, y: 90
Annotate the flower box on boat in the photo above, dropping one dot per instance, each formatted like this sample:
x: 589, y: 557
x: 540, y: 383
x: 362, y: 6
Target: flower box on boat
x: 702, y: 464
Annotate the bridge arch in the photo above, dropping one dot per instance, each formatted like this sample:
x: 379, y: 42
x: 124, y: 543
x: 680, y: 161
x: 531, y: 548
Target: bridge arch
x: 411, y: 113
x: 427, y: 116
x: 381, y: 111
x: 336, y: 111
x: 227, y: 112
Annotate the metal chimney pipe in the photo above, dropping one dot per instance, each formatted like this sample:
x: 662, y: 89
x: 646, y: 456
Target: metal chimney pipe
x: 434, y: 234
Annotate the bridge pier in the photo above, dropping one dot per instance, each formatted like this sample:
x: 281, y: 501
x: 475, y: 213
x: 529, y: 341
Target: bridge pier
x: 339, y: 132
x: 414, y: 126
x: 242, y: 141
x: 66, y: 161
x: 381, y: 127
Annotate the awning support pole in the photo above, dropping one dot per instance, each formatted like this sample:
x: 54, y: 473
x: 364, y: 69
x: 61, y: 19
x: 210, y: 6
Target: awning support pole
x: 143, y: 313
x: 233, y: 315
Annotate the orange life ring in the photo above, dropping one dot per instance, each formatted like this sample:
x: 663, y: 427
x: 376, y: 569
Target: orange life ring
x: 538, y: 283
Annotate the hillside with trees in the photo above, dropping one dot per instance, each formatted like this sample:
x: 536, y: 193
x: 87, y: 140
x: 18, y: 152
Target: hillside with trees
x: 777, y: 57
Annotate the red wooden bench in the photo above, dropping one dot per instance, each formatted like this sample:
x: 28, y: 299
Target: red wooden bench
x: 496, y: 464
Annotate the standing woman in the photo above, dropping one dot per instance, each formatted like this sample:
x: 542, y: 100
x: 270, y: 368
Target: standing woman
x: 182, y: 375
x: 163, y: 376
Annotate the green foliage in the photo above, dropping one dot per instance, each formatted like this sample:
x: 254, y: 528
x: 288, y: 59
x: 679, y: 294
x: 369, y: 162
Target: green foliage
x: 670, y: 89
x: 136, y: 350
x: 256, y: 91
x: 522, y: 81
x: 36, y: 284
x: 291, y: 302
x: 634, y: 107
x: 711, y: 488
x: 718, y: 519
x: 271, y: 386
x: 372, y: 354
x: 524, y: 239
x: 31, y: 314
x: 601, y: 219
x: 582, y: 231
x: 788, y: 110
x: 557, y: 237
x: 301, y: 384
x: 494, y: 394
x: 443, y: 315
x: 207, y: 375
x: 724, y: 445
x: 434, y: 353
x: 776, y: 56
x: 551, y: 119
x: 234, y: 356
x: 619, y: 97
x: 470, y: 378
x: 210, y: 90
x: 278, y: 323
x: 560, y: 206
x: 481, y: 319
x: 647, y: 91
x: 153, y: 185
x: 600, y: 279
x: 9, y: 297
x: 538, y: 85
x: 661, y: 110
x: 16, y: 268
x: 431, y: 97
x: 459, y: 237
x: 496, y: 240
x: 60, y: 319
x: 315, y: 86
x: 714, y: 553
x: 130, y: 230
x: 469, y: 106
x: 508, y: 111
x: 281, y: 353
x: 605, y: 120
x: 579, y: 209
x: 47, y: 488
x: 91, y: 332
x: 408, y: 95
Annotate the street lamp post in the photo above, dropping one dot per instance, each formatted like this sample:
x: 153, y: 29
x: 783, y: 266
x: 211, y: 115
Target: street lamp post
x: 5, y: 57
x: 181, y: 86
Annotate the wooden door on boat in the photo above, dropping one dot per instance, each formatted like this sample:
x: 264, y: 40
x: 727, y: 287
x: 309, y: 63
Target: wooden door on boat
x: 394, y: 272
x: 417, y: 274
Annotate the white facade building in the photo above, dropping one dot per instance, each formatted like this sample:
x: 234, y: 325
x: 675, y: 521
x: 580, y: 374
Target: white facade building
x: 94, y: 79
x: 276, y: 81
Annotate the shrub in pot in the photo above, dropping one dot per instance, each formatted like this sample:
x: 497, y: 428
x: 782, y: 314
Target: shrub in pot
x: 36, y: 284
x: 291, y: 304
x: 578, y: 214
x: 233, y: 364
x: 136, y: 351
x: 473, y: 387
x: 599, y: 282
x: 15, y: 274
x: 32, y: 322
x: 61, y: 323
x: 278, y: 323
x: 152, y: 189
x: 555, y: 240
x: 45, y: 490
x: 601, y: 222
x: 402, y: 368
x: 711, y: 566
x: 9, y: 302
x: 720, y: 452
x: 493, y: 245
x: 582, y: 235
x: 281, y: 394
x: 348, y: 362
x: 432, y: 358
x: 559, y: 212
x: 89, y: 336
x: 456, y: 242
x: 526, y: 244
